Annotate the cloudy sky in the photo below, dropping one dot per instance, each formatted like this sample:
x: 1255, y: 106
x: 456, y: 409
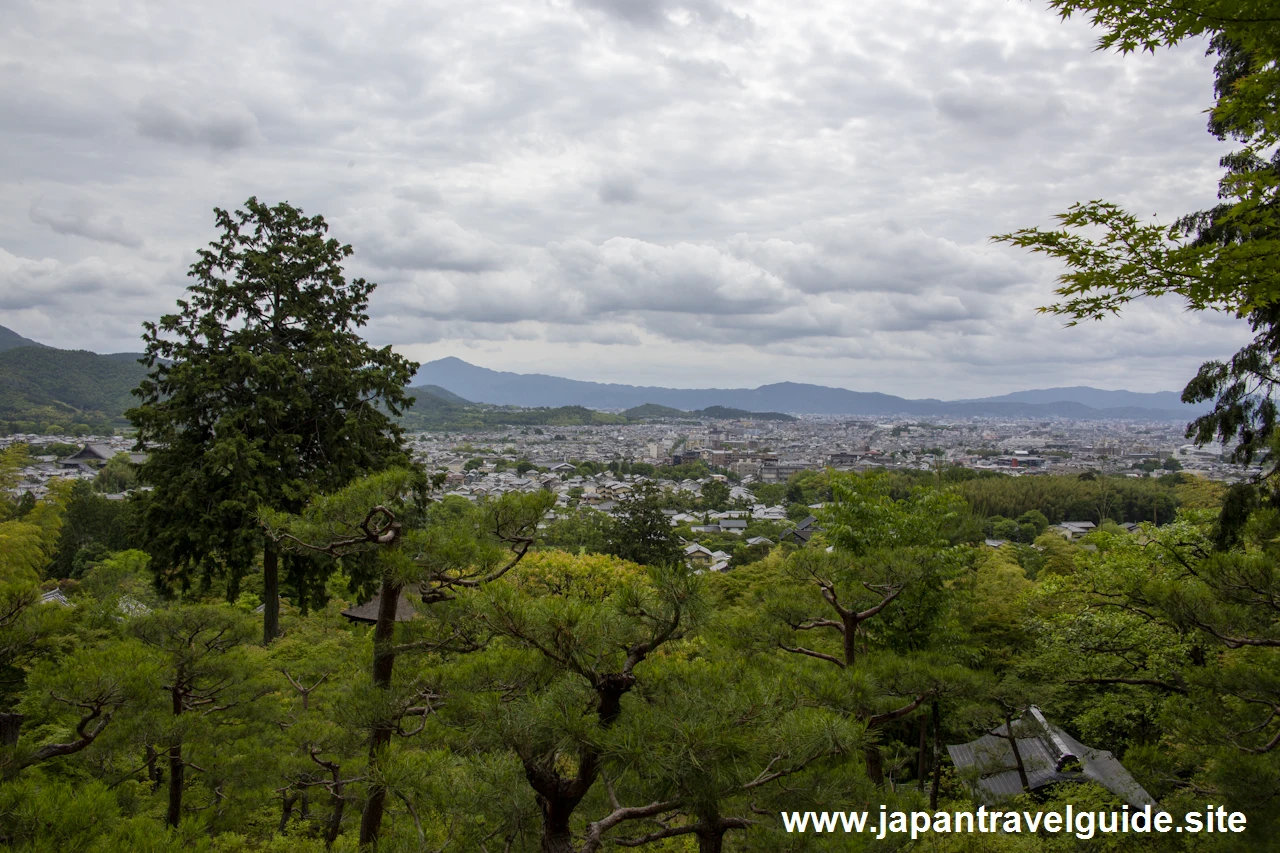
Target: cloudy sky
x: 677, y: 192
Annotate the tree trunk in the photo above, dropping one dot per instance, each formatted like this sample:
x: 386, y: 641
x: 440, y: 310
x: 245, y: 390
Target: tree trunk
x: 10, y: 727
x: 558, y: 798
x: 875, y: 763
x: 338, y: 805
x: 556, y: 837
x: 710, y: 841
x: 334, y: 828
x: 850, y: 638
x: 154, y: 774
x: 299, y: 567
x: 176, y: 765
x: 286, y: 810
x: 384, y: 660
x: 176, y: 768
x: 270, y: 593
x: 922, y: 756
x: 937, y: 757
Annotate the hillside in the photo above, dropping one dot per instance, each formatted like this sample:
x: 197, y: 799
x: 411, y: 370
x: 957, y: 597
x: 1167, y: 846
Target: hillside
x: 728, y: 413
x: 45, y: 389
x: 652, y: 411
x: 9, y: 339
x: 433, y: 411
x: 442, y: 393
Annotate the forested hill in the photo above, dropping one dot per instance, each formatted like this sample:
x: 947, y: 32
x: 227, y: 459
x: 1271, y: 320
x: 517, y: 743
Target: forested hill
x: 436, y: 409
x: 10, y: 339
x: 653, y: 411
x: 43, y: 389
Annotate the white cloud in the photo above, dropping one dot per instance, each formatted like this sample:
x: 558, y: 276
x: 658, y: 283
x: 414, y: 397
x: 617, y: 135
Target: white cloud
x: 687, y: 192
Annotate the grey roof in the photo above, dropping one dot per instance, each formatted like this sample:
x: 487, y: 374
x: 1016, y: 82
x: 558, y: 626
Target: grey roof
x: 1049, y: 755
x: 800, y: 534
x: 55, y: 596
x: 368, y: 612
x: 92, y: 451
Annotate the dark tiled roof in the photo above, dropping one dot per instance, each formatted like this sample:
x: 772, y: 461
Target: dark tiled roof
x: 1049, y: 755
x: 368, y: 612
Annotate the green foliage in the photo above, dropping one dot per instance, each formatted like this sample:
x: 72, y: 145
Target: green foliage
x: 582, y: 530
x: 1222, y: 259
x: 652, y: 411
x: 640, y: 532
x: 118, y: 475
x: 1170, y: 650
x: 432, y: 412
x: 727, y: 413
x: 715, y: 495
x: 260, y: 393
x: 864, y: 517
x: 92, y: 527
x: 46, y: 390
x: 1057, y: 499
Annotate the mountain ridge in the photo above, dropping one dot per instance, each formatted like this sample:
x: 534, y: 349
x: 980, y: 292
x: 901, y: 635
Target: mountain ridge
x: 507, y: 388
x: 45, y: 384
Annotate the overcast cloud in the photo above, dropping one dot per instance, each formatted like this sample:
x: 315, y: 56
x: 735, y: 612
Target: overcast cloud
x: 678, y: 192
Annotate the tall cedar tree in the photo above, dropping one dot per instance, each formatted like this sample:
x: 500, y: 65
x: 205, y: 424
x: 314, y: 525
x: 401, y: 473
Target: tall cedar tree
x: 260, y: 393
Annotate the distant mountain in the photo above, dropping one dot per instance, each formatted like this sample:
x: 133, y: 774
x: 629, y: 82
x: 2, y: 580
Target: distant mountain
x: 536, y: 389
x: 42, y: 387
x: 1097, y: 398
x: 9, y: 339
x: 727, y: 413
x: 652, y: 411
x: 442, y: 393
x: 434, y: 408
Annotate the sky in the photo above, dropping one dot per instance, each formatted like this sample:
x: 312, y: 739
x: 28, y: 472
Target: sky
x: 686, y: 193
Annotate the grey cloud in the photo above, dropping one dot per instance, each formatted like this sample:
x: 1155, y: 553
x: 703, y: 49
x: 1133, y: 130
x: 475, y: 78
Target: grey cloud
x: 92, y: 225
x: 658, y: 13
x: 768, y: 290
x: 648, y: 13
x: 46, y: 283
x: 769, y: 189
x: 993, y: 112
x: 221, y: 129
x: 618, y: 190
x: 402, y: 237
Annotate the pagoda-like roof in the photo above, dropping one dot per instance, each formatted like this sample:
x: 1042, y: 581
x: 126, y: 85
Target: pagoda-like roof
x: 368, y: 612
x: 1049, y: 756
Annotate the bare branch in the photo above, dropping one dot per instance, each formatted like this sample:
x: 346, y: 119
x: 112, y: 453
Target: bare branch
x: 819, y: 655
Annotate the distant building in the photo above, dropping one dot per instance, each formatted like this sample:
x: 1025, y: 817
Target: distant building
x: 698, y: 555
x: 802, y: 532
x: 1049, y: 756
x: 367, y: 613
x: 1073, y: 529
